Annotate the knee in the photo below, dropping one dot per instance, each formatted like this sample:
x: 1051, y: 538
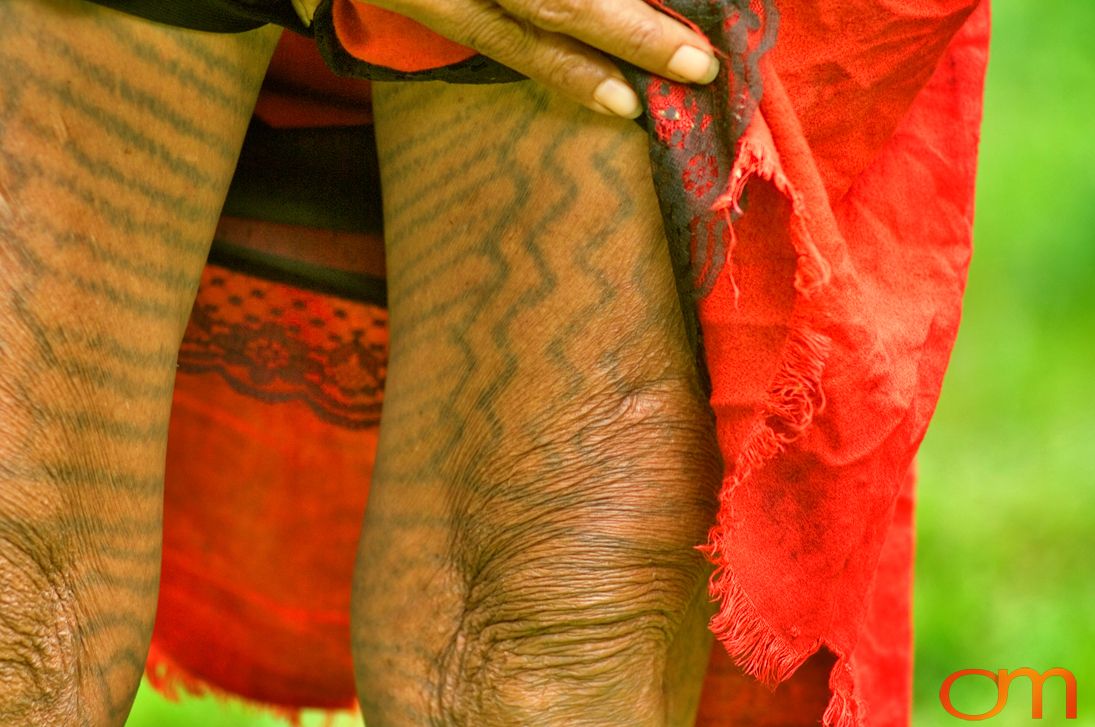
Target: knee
x: 38, y: 629
x: 74, y: 626
x: 576, y: 554
x: 638, y: 465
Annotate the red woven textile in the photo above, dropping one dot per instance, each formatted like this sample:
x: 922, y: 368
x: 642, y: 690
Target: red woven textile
x: 272, y: 440
x: 836, y: 226
x: 836, y: 325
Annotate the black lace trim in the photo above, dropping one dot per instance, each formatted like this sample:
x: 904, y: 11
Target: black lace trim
x: 279, y: 343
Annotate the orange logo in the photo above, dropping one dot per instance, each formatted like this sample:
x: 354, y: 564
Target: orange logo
x: 1003, y: 679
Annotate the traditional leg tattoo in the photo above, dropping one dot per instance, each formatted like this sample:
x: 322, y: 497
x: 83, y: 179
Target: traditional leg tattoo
x: 547, y: 459
x: 117, y: 141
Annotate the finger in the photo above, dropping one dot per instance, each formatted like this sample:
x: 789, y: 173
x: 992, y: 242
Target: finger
x: 557, y: 61
x: 630, y: 30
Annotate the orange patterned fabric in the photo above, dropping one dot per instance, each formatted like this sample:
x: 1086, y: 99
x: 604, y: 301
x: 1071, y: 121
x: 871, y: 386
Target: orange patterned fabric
x: 271, y: 447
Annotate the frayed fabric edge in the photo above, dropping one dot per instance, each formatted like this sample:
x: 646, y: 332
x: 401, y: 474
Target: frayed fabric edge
x: 172, y: 681
x: 843, y: 709
x: 794, y: 398
x: 757, y: 158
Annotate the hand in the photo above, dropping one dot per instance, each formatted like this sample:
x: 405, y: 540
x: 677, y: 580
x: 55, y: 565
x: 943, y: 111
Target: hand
x: 566, y: 44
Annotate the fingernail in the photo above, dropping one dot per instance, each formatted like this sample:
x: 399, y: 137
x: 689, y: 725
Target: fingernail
x: 617, y: 97
x: 694, y: 64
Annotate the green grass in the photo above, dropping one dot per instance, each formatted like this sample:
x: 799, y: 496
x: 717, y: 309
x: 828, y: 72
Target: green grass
x: 152, y: 710
x: 1006, y: 531
x: 1007, y: 503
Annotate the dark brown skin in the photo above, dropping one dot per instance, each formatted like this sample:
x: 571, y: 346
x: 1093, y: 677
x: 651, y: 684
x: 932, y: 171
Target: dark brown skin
x: 546, y: 460
x: 117, y: 142
x: 569, y: 45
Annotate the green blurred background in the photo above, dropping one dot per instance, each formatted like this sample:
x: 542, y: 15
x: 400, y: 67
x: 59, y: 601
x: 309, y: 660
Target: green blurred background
x: 1007, y: 473
x: 1006, y: 549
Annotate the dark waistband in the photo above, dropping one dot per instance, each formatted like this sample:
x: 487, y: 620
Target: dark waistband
x: 215, y: 16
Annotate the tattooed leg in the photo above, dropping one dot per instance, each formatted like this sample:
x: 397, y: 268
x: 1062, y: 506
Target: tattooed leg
x: 547, y: 460
x: 117, y: 142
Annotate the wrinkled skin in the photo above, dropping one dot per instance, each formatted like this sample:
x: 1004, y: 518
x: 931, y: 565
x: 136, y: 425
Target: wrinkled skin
x: 546, y: 461
x: 566, y: 45
x: 117, y: 142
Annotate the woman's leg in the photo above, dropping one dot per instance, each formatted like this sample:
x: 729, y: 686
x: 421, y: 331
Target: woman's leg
x: 547, y: 460
x: 117, y: 141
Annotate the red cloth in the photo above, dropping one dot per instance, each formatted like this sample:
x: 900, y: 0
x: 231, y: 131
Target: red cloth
x: 271, y: 445
x: 863, y: 159
x: 849, y: 203
x: 300, y: 92
x: 387, y: 39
